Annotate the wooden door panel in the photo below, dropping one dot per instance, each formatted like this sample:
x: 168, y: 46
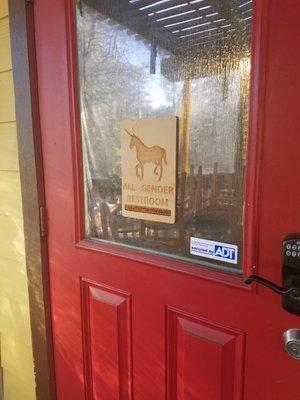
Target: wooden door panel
x: 205, y: 360
x: 107, y: 334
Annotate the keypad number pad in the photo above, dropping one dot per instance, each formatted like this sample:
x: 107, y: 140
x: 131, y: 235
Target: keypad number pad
x: 292, y: 250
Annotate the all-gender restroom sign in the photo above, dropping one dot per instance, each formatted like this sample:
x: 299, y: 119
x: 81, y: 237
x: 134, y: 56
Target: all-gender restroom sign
x: 149, y: 151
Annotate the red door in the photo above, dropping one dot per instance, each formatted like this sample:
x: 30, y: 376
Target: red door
x: 139, y: 310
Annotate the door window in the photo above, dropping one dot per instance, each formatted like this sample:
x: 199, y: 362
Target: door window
x: 146, y: 61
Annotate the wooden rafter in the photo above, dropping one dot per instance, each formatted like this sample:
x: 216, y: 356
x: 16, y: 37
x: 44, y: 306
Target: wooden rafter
x: 177, y: 24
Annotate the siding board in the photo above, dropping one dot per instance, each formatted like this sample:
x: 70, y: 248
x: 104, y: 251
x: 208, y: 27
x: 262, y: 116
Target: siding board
x: 12, y: 240
x: 8, y: 147
x: 10, y: 205
x: 3, y: 8
x: 17, y: 388
x: 10, y: 182
x: 5, y: 59
x: 10, y: 195
x: 13, y: 270
x: 14, y: 321
x: 7, y: 98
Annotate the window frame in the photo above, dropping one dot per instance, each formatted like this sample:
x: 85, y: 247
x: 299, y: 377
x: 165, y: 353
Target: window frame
x: 252, y: 174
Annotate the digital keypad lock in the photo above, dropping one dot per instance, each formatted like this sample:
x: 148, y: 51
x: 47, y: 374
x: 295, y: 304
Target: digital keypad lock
x: 291, y: 272
x: 290, y: 289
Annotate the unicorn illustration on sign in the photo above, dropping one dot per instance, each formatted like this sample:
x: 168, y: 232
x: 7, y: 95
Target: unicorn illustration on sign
x: 144, y: 154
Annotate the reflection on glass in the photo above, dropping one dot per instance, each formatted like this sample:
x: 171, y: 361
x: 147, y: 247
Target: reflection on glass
x: 140, y: 59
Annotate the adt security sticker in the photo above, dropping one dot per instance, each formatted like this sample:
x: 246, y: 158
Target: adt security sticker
x: 216, y: 250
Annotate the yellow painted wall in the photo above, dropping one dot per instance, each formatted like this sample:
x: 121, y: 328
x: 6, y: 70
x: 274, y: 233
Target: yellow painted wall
x: 15, y: 333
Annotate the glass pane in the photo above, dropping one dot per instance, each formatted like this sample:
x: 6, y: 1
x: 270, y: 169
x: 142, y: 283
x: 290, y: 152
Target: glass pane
x: 143, y: 59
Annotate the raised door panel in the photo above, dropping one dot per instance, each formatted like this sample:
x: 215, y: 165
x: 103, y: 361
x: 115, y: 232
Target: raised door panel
x: 107, y: 342
x: 205, y: 360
